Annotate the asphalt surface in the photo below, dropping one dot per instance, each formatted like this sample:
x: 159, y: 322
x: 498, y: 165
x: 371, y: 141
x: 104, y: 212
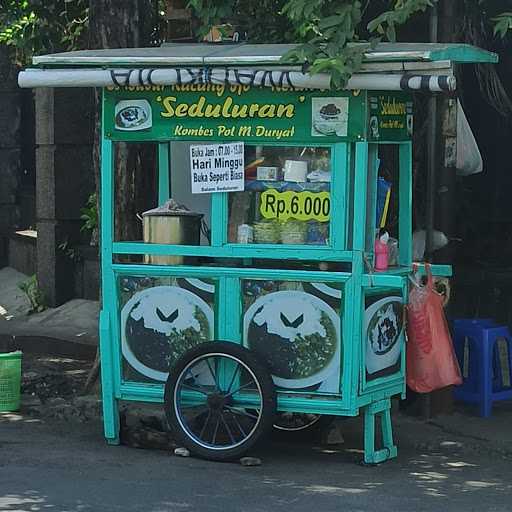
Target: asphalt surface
x: 56, y: 466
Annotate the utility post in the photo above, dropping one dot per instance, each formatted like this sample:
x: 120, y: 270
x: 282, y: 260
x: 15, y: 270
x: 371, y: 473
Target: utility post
x: 441, y: 193
x: 447, y: 139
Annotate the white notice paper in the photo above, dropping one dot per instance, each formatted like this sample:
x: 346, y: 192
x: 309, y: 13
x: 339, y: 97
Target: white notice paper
x: 217, y: 168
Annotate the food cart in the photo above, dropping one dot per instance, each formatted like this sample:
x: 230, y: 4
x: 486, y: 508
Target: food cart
x: 254, y: 290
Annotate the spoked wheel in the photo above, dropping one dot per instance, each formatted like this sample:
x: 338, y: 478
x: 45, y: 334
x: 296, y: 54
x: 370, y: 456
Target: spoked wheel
x: 296, y: 422
x: 299, y: 426
x: 219, y: 400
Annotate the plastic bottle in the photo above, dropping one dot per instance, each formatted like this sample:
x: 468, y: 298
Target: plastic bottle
x: 382, y: 252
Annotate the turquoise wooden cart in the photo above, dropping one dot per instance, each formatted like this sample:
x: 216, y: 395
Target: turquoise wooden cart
x: 278, y: 315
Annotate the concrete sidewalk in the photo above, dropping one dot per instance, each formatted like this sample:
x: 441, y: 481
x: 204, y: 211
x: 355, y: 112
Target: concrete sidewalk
x: 70, y: 329
x: 492, y: 434
x: 13, y: 302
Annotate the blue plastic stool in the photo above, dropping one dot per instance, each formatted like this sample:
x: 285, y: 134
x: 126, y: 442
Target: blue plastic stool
x: 483, y: 369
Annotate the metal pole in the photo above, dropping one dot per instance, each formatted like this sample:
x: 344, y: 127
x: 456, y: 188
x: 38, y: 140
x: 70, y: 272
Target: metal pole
x: 431, y: 149
x: 426, y: 400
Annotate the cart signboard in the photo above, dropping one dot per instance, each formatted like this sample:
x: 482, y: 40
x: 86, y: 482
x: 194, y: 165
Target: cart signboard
x: 255, y: 114
x: 225, y: 112
x: 391, y: 117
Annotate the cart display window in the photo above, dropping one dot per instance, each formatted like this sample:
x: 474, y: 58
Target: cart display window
x: 160, y: 319
x: 287, y: 197
x: 134, y: 168
x: 296, y: 327
x: 168, y: 211
x: 387, y: 188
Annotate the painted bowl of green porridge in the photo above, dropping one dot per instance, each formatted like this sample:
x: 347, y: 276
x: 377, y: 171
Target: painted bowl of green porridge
x: 159, y: 324
x: 297, y: 334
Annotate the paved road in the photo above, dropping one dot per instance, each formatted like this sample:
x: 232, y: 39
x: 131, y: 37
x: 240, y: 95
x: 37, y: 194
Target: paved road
x: 66, y: 467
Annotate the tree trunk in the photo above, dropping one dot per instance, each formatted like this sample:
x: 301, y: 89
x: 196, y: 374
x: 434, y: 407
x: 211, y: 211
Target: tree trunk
x: 443, y: 196
x: 122, y: 24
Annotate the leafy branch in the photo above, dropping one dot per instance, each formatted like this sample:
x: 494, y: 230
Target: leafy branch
x: 335, y: 45
x: 502, y: 24
x: 34, y: 26
x: 31, y: 289
x: 89, y: 214
x: 333, y: 35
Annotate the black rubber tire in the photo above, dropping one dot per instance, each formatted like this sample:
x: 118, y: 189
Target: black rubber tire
x: 268, y: 397
x: 310, y: 433
x: 321, y: 421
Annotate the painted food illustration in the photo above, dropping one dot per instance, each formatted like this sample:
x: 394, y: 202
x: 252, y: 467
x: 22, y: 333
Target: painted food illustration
x: 131, y: 117
x: 384, y: 328
x: 330, y: 116
x: 159, y: 325
x: 330, y: 111
x: 330, y: 289
x: 297, y: 333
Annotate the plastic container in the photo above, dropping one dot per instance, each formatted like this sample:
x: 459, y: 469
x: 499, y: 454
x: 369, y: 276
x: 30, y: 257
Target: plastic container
x: 10, y: 381
x: 381, y: 254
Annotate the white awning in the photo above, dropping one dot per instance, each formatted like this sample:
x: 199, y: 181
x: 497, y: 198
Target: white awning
x: 123, y: 77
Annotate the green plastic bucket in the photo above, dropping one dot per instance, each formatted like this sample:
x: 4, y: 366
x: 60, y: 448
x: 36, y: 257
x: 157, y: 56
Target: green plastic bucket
x: 10, y: 381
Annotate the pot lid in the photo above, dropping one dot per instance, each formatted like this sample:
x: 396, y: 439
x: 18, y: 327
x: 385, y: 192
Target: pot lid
x: 171, y: 208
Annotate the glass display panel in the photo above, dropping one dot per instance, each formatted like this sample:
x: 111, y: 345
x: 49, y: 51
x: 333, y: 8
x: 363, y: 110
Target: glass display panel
x: 296, y: 327
x: 287, y: 197
x: 161, y: 318
x: 135, y: 187
x: 383, y: 208
x: 181, y: 192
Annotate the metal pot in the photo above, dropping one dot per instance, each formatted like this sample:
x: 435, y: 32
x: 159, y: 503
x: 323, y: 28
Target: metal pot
x: 170, y: 227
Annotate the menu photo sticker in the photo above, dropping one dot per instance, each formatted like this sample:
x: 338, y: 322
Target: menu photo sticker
x: 133, y: 115
x: 329, y: 116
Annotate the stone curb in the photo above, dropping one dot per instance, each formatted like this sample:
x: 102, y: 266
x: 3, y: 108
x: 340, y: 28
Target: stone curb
x: 48, y: 346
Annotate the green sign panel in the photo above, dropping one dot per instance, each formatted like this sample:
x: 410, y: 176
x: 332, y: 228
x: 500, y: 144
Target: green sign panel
x: 390, y: 116
x: 237, y: 112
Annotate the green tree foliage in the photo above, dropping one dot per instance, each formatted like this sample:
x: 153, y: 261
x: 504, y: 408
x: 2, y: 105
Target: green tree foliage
x: 334, y: 34
x: 41, y: 26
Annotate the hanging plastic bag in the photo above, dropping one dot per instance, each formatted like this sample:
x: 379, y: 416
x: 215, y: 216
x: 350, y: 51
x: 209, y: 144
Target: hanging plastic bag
x: 469, y: 159
x: 431, y: 360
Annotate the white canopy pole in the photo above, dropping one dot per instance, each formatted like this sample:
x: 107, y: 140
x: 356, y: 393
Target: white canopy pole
x: 32, y: 78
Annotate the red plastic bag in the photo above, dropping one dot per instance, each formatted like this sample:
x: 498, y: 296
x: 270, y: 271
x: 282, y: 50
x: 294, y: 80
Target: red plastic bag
x: 431, y: 360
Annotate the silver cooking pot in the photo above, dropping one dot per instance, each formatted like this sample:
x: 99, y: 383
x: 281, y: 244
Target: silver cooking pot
x: 170, y: 227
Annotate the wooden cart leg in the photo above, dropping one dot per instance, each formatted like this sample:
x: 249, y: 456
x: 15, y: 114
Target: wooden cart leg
x: 111, y: 420
x: 110, y: 404
x: 388, y: 451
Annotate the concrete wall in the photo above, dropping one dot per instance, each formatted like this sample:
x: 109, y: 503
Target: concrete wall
x: 64, y: 137
x: 10, y: 152
x: 87, y: 273
x: 23, y: 252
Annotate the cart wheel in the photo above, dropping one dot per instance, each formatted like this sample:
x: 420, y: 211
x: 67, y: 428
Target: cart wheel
x: 300, y: 427
x: 219, y: 400
x: 296, y: 421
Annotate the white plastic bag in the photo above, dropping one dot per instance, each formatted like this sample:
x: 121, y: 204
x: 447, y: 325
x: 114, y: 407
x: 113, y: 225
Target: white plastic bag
x: 419, y: 241
x: 469, y: 159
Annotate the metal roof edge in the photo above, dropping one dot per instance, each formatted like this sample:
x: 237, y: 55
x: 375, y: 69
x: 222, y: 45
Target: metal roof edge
x: 257, y: 55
